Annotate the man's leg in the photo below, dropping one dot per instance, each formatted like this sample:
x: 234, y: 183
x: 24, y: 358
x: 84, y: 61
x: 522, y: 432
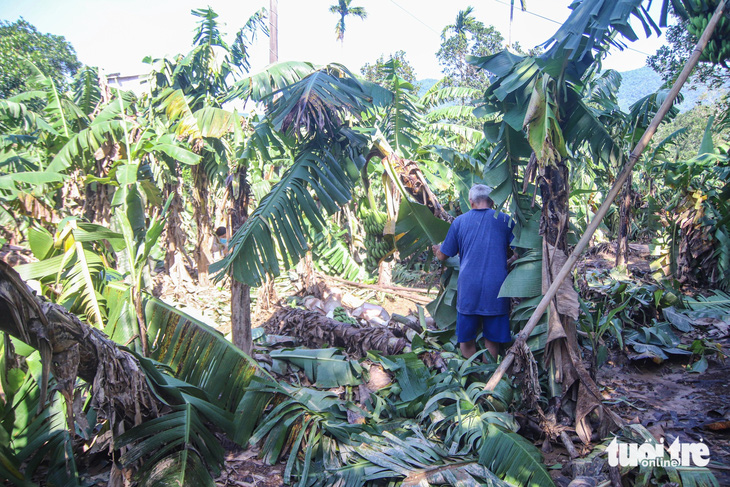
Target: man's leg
x: 495, y: 331
x: 468, y: 348
x: 468, y: 327
x: 492, y: 348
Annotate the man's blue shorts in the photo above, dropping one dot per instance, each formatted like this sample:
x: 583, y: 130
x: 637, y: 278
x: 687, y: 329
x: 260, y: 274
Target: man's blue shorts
x: 493, y: 328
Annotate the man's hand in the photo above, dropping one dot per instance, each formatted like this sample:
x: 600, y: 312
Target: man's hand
x: 437, y: 252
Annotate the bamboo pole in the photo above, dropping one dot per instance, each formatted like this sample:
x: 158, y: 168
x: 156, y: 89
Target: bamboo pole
x: 618, y: 184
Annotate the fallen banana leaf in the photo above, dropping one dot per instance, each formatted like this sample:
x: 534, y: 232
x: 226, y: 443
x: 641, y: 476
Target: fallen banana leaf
x: 325, y: 366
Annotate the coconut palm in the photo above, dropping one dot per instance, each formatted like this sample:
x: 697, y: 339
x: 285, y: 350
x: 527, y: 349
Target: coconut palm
x: 343, y: 9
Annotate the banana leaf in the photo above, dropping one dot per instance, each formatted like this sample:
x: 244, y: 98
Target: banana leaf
x: 198, y: 354
x: 513, y: 459
x: 325, y: 368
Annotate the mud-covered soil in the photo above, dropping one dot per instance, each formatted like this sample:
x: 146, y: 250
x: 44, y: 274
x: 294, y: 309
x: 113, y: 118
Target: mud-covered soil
x: 674, y: 403
x: 243, y: 468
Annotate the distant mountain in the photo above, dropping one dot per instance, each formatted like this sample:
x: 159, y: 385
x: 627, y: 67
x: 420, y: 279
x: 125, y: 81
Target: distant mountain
x: 635, y: 84
x: 425, y: 84
x: 638, y: 83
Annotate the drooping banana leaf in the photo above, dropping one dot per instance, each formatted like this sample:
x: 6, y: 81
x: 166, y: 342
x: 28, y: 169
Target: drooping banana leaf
x: 281, y: 221
x: 81, y: 270
x: 410, y: 372
x: 157, y: 441
x: 332, y: 255
x: 315, y: 106
x: 198, y: 354
x: 417, y: 228
x: 86, y: 89
x: 262, y: 84
x: 37, y: 439
x: 415, y: 459
x: 525, y: 280
x: 592, y: 27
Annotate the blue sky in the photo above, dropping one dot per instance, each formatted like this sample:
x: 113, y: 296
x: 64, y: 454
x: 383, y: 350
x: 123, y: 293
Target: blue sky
x: 117, y: 34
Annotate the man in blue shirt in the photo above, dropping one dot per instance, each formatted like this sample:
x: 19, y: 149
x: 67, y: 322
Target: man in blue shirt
x: 481, y: 237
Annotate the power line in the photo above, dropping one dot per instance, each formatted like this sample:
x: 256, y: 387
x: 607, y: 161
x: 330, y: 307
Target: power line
x: 507, y: 4
x: 419, y: 20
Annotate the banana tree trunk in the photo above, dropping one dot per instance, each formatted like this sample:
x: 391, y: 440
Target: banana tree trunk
x: 624, y: 226
x: 175, y: 237
x: 203, y: 255
x: 71, y: 349
x: 240, y: 293
x: 571, y: 386
x: 315, y: 330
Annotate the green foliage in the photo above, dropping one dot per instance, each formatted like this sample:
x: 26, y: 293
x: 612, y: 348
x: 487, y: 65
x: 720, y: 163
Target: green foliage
x: 670, y: 58
x: 75, y: 259
x: 693, y: 124
x: 331, y: 252
x: 34, y: 441
x: 467, y: 36
x: 379, y: 73
x: 324, y: 367
x: 21, y: 44
x: 603, y: 19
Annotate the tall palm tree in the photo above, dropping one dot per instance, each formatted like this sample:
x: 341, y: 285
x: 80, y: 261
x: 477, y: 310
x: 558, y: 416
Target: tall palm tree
x: 343, y: 9
x: 464, y: 21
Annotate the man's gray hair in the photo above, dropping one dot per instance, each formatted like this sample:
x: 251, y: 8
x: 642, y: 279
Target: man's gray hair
x: 480, y: 193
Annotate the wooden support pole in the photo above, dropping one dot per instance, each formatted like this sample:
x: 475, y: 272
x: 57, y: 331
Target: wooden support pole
x: 618, y: 184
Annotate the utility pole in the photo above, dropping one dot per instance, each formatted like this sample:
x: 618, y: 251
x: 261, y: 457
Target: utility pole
x: 273, y: 31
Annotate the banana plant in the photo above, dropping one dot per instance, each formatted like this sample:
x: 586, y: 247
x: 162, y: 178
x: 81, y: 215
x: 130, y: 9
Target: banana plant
x: 325, y: 161
x: 33, y: 441
x: 698, y: 196
x: 543, y: 119
x: 74, y: 265
x: 139, y: 241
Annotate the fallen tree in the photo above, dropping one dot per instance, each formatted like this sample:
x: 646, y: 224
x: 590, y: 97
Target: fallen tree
x: 315, y: 330
x: 69, y: 349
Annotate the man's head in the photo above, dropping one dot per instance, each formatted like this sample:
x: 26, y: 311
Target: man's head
x: 479, y: 196
x: 221, y: 231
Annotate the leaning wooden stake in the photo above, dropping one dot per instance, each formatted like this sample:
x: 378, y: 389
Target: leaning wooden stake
x: 618, y: 184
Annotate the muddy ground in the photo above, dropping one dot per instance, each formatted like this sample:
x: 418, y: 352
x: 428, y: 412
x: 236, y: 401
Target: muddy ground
x: 675, y: 403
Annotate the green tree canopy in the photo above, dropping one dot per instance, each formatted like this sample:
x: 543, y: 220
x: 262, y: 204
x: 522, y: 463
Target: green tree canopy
x: 377, y: 72
x: 671, y: 57
x: 467, y: 36
x: 21, y: 42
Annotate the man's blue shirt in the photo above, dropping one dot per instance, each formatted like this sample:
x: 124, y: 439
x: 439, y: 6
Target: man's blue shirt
x: 481, y: 237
